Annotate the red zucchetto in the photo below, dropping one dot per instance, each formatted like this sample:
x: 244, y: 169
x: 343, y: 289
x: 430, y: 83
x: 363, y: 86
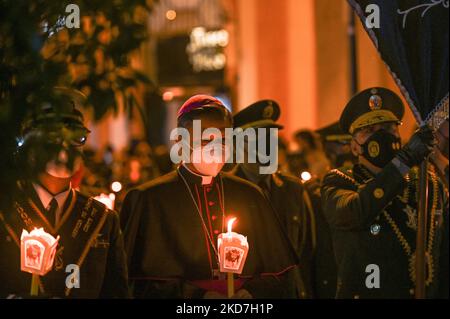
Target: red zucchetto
x: 198, y: 102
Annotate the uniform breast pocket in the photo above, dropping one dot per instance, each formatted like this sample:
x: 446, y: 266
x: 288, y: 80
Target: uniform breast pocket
x: 96, y: 259
x: 100, y: 242
x: 99, y: 248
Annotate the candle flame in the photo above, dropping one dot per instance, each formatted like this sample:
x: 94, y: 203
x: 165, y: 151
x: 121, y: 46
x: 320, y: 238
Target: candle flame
x: 230, y: 224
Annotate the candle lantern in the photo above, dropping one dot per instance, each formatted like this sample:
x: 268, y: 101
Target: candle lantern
x: 37, y: 253
x: 233, y: 250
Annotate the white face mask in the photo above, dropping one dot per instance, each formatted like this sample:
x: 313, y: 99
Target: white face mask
x: 60, y: 170
x: 210, y: 164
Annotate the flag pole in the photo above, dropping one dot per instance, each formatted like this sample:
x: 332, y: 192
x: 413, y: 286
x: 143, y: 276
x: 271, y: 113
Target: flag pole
x: 353, y: 56
x: 420, y: 291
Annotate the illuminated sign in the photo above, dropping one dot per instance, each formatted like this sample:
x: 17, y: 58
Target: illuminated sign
x: 205, y: 49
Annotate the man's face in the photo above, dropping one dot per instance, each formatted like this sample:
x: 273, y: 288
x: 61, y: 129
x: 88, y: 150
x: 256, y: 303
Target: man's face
x: 54, y: 148
x: 363, y: 134
x: 67, y: 151
x: 216, y: 136
x: 302, y: 145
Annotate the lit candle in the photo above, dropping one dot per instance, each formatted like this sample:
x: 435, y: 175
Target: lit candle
x: 107, y: 200
x: 233, y: 250
x: 37, y: 250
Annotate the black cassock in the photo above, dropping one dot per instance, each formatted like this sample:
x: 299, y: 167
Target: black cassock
x: 171, y: 242
x: 90, y: 237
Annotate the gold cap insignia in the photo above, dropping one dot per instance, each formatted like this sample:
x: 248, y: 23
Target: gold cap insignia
x: 375, y: 102
x: 268, y: 111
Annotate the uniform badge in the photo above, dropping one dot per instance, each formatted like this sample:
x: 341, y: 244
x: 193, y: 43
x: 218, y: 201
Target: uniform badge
x: 374, y: 149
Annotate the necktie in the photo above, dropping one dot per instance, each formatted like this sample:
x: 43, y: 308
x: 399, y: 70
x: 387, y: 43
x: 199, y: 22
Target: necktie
x: 51, y: 211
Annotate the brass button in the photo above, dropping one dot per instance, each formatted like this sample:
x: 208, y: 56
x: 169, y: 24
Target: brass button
x: 378, y: 193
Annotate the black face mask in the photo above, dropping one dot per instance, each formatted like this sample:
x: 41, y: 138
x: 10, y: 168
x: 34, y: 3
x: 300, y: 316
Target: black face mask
x: 381, y: 147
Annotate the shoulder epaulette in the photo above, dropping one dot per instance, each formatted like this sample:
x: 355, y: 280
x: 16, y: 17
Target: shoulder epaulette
x: 90, y: 202
x: 343, y: 176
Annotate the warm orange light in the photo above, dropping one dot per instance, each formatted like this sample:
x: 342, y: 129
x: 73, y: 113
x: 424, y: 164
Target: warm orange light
x: 306, y: 176
x: 116, y: 187
x: 171, y: 15
x: 168, y: 96
x: 230, y: 224
x: 233, y: 249
x: 107, y: 200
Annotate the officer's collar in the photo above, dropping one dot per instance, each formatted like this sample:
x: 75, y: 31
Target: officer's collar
x: 46, y: 197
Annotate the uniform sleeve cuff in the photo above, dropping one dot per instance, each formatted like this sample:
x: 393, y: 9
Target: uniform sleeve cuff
x: 401, y: 167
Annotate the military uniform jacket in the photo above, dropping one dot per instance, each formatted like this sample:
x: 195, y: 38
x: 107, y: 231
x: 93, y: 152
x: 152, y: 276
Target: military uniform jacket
x: 324, y: 265
x: 374, y: 220
x: 172, y: 254
x: 90, y: 238
x: 293, y: 206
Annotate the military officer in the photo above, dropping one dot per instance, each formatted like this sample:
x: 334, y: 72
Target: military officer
x: 372, y: 207
x: 286, y: 193
x: 336, y: 145
x: 90, y: 248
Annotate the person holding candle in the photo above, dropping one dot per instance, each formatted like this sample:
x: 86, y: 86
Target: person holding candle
x: 90, y: 258
x: 172, y: 224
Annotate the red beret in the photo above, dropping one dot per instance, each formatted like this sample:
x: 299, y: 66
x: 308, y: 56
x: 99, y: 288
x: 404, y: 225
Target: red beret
x: 197, y: 102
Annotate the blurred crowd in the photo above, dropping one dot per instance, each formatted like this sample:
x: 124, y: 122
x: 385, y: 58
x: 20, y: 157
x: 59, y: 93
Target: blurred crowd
x: 309, y: 156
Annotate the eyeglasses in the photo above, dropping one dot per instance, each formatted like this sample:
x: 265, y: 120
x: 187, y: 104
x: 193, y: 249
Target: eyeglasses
x: 76, y: 141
